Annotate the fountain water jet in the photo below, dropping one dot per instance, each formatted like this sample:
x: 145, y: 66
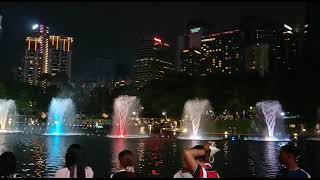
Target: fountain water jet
x: 61, y: 114
x: 271, y: 113
x: 194, y: 112
x: 123, y: 123
x: 7, y: 114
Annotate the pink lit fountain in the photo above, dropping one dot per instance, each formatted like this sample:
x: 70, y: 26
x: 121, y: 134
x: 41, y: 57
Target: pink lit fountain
x: 126, y: 123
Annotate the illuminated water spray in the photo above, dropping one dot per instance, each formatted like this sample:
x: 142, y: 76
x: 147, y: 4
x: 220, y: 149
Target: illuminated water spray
x: 7, y: 112
x: 61, y: 114
x: 271, y: 111
x: 194, y: 111
x: 125, y: 114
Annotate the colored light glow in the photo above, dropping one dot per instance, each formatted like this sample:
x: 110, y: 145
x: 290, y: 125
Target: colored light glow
x: 35, y: 26
x: 194, y: 30
x: 156, y: 39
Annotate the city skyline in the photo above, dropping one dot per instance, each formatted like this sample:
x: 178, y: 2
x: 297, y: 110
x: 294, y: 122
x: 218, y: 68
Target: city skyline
x: 118, y: 35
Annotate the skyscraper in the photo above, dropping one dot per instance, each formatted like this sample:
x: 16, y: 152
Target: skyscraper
x: 60, y: 55
x: 257, y: 32
x: 292, y: 40
x: 181, y: 45
x: 32, y: 60
x: 154, y: 61
x: 42, y: 32
x: 192, y: 64
x: 46, y: 57
x: 221, y: 52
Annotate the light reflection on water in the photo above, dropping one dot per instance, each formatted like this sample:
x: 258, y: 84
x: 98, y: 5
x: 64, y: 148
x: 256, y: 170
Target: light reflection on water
x: 55, y: 154
x: 41, y: 156
x: 118, y: 145
x: 263, y: 158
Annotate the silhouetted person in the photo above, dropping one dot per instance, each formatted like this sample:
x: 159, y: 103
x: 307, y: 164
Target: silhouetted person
x: 75, y: 165
x: 126, y: 165
x: 288, y: 158
x: 197, y: 161
x: 8, y: 165
x: 185, y: 172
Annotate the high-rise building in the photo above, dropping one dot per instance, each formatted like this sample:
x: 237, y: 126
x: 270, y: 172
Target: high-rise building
x: 181, y: 45
x: 292, y: 40
x: 192, y: 64
x: 221, y: 52
x: 42, y: 32
x: 154, y: 61
x: 46, y: 56
x: 60, y: 55
x: 195, y: 30
x: 32, y: 61
x: 257, y: 32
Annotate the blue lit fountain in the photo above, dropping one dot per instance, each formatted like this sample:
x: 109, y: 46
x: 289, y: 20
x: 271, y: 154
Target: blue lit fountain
x: 61, y: 117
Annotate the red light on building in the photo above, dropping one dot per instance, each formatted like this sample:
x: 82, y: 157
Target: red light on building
x: 158, y: 40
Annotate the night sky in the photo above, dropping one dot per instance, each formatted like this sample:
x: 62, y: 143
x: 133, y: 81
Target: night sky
x: 113, y: 29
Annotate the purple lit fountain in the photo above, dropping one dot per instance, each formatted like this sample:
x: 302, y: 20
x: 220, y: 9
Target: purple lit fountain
x: 126, y: 123
x: 272, y: 115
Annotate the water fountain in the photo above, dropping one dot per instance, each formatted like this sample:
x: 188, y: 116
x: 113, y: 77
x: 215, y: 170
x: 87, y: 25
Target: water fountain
x: 195, y: 111
x: 126, y: 110
x: 272, y: 115
x: 60, y: 117
x: 7, y: 114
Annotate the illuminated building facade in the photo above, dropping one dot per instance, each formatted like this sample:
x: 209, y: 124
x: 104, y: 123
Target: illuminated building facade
x: 292, y: 40
x: 154, y: 61
x: 32, y: 61
x: 192, y: 62
x: 46, y: 56
x: 261, y: 45
x: 218, y: 53
x: 60, y: 55
x: 221, y: 52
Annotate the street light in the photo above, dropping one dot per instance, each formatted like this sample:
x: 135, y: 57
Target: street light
x: 164, y: 114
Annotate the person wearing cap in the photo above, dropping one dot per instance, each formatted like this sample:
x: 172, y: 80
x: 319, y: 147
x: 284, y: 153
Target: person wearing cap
x: 197, y: 161
x: 288, y: 158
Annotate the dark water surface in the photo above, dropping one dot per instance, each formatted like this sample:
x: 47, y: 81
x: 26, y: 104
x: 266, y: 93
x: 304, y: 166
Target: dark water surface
x: 42, y: 156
